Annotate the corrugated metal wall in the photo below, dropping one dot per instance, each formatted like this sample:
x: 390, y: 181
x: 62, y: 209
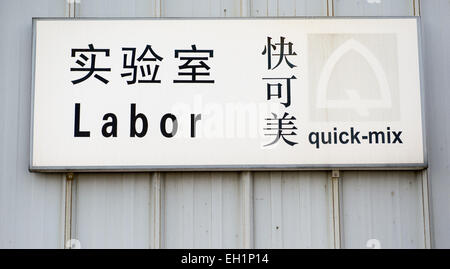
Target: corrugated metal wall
x: 31, y: 205
x: 436, y: 56
x: 306, y: 209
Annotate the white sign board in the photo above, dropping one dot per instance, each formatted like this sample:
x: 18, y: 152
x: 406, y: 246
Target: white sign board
x: 191, y: 94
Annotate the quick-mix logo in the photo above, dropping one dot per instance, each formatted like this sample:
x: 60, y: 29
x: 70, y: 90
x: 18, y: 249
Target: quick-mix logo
x: 336, y: 93
x: 353, y: 77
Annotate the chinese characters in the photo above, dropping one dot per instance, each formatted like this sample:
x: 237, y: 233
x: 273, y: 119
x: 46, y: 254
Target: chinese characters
x: 147, y: 56
x: 280, y: 88
x: 91, y: 58
x: 143, y: 68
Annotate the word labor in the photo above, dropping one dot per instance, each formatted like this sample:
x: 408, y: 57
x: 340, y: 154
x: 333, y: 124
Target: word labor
x: 109, y: 128
x: 143, y: 67
x: 355, y: 137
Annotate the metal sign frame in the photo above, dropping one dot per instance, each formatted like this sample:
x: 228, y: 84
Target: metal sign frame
x: 243, y: 167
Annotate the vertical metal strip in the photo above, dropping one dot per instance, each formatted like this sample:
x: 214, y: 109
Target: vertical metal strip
x: 68, y: 8
x: 68, y: 179
x: 157, y: 182
x: 424, y: 179
x: 247, y: 209
x: 423, y: 176
x: 330, y: 213
x: 246, y: 178
x: 157, y: 9
x: 245, y: 8
x: 62, y: 213
x: 419, y: 7
x: 156, y: 185
x: 416, y: 7
x: 71, y: 8
x: 75, y: 7
x: 426, y: 208
x: 335, y: 178
x: 330, y: 8
x: 68, y: 211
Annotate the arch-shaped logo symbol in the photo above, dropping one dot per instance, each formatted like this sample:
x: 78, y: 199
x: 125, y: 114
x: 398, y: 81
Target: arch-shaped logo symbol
x: 354, y: 101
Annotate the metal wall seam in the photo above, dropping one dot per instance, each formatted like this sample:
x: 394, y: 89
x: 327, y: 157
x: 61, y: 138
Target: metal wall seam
x: 336, y: 180
x: 424, y: 174
x: 335, y: 197
x: 68, y: 177
x: 157, y: 8
x: 247, y: 209
x: 416, y: 8
x: 156, y: 183
x: 246, y: 178
x: 156, y: 186
x: 330, y: 224
x: 245, y: 7
x: 62, y: 217
x: 426, y: 207
x: 68, y: 210
x: 330, y: 7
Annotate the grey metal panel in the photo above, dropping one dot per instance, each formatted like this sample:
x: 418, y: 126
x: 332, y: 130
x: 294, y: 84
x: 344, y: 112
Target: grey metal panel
x: 436, y: 58
x: 202, y: 210
x: 373, y: 7
x: 292, y: 210
x: 112, y: 210
x: 263, y: 8
x: 384, y: 205
x: 201, y: 8
x: 302, y: 8
x: 288, y: 8
x: 30, y: 204
x: 118, y: 8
